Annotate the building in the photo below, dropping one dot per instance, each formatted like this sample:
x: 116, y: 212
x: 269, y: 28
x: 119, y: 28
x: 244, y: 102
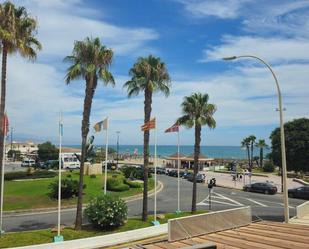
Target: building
x: 187, y: 162
x: 27, y: 148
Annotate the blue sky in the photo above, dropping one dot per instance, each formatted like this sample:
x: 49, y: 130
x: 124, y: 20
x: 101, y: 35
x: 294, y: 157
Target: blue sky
x: 191, y: 37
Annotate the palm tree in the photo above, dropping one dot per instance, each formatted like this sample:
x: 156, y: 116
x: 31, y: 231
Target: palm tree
x: 261, y: 144
x: 197, y: 112
x: 17, y: 34
x: 148, y: 75
x: 90, y: 61
x: 252, y: 139
x: 245, y: 143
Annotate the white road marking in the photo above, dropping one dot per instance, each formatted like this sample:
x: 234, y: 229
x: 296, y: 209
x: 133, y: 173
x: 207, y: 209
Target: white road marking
x: 231, y: 200
x: 218, y: 198
x: 256, y: 202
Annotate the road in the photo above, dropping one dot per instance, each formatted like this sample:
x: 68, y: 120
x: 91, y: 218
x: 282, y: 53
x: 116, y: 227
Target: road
x: 13, y: 166
x: 267, y: 207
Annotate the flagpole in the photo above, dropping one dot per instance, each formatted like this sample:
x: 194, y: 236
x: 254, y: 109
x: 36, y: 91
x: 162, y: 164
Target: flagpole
x: 106, y: 154
x: 2, y: 184
x: 155, y: 172
x: 59, y: 177
x: 178, y: 187
x: 59, y: 237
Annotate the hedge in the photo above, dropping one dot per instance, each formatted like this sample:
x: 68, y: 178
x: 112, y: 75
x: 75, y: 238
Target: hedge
x: 133, y: 184
x: 18, y: 175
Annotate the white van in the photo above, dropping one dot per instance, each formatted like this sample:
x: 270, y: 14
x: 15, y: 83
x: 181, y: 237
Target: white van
x: 28, y: 163
x: 70, y: 161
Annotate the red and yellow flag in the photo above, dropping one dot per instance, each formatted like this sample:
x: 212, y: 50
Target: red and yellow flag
x: 149, y: 125
x: 173, y: 128
x: 5, y: 124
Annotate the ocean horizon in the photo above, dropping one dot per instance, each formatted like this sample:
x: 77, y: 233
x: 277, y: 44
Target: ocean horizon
x: 231, y: 152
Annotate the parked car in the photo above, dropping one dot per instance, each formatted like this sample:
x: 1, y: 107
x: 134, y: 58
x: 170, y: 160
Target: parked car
x: 50, y: 164
x: 173, y: 173
x: 186, y: 175
x: 301, y: 192
x: 160, y: 170
x: 261, y: 187
x: 28, y: 163
x: 199, y: 178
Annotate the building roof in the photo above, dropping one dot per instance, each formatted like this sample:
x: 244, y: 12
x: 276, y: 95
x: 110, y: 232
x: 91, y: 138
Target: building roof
x: 202, y: 158
x: 175, y: 156
x: 256, y: 235
x: 70, y: 150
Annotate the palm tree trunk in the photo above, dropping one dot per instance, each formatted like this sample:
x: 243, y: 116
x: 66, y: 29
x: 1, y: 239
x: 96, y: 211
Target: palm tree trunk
x: 147, y: 113
x: 248, y: 152
x: 196, y: 159
x: 2, y: 107
x: 89, y: 93
x: 251, y: 158
x: 261, y: 157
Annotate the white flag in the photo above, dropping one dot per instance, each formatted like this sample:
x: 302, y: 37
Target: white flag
x: 98, y: 126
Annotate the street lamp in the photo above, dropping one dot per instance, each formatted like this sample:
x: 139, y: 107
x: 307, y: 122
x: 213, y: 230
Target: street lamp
x: 118, y: 132
x: 283, y: 156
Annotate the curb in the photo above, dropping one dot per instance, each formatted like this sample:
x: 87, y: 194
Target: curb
x: 300, y: 181
x: 22, y: 212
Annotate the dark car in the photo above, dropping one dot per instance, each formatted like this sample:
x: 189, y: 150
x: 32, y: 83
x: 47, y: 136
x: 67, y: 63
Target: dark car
x: 173, y: 173
x: 186, y: 175
x: 199, y: 178
x: 301, y: 192
x: 160, y: 171
x: 261, y: 187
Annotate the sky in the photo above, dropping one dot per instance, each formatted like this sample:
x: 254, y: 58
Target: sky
x: 191, y: 37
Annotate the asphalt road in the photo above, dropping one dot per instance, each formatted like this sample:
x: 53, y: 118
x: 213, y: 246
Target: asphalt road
x: 267, y: 207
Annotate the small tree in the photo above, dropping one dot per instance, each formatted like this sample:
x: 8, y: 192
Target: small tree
x: 48, y: 151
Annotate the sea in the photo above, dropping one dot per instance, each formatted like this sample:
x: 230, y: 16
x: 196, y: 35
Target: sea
x: 227, y: 152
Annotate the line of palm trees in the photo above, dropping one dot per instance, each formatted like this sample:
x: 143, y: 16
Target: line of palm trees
x: 90, y: 61
x: 249, y: 143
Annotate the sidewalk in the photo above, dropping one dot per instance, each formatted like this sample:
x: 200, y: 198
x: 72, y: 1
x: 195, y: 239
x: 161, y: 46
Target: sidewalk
x: 226, y: 180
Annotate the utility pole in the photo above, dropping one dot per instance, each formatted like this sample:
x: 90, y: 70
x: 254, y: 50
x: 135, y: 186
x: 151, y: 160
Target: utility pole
x: 118, y: 132
x: 12, y: 129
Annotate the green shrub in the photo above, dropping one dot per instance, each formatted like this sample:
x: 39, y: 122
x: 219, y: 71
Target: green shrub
x: 134, y: 173
x: 69, y: 188
x: 132, y: 184
x: 18, y: 175
x: 268, y: 167
x: 107, y: 212
x: 120, y: 188
x: 93, y: 176
x: 116, y: 184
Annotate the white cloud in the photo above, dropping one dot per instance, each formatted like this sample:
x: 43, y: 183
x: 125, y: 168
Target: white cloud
x: 63, y: 22
x: 227, y: 9
x: 276, y: 49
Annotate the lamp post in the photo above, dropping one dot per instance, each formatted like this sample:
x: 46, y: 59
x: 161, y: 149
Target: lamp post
x: 118, y: 132
x: 283, y: 156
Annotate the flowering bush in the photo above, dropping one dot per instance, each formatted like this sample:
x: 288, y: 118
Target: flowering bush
x: 107, y: 211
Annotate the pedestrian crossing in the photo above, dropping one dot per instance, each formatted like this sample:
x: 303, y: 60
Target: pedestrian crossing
x: 234, y: 200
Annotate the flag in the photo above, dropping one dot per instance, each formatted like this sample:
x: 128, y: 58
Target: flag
x: 5, y: 124
x: 98, y: 126
x: 149, y: 125
x: 173, y: 128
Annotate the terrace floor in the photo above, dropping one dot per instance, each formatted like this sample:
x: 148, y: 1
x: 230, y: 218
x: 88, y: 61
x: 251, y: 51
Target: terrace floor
x: 270, y: 235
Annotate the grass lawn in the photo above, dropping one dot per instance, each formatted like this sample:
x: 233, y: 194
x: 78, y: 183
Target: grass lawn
x: 34, y: 194
x: 46, y: 236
